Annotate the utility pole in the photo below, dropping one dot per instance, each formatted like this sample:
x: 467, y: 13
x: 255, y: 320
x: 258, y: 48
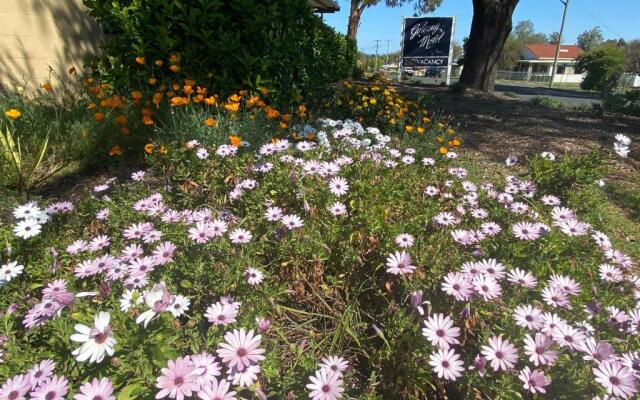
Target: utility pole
x: 386, y: 61
x: 555, y: 60
x: 375, y: 68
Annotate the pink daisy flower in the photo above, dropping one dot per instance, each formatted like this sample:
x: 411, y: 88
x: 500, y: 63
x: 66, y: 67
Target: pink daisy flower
x: 399, y: 263
x: 53, y: 388
x: 208, y: 368
x: 616, y: 378
x: 528, y: 317
x: 501, y: 353
x: 335, y: 364
x: 526, y: 231
x: 163, y: 253
x: 487, y: 287
x: 457, y: 285
x: 16, y: 388
x: 439, y: 330
x: 240, y: 349
x: 240, y: 236
x: 325, y: 385
x: 522, y: 278
x: 539, y: 349
x: 221, y: 313
x: 96, y: 390
x: 178, y: 379
x: 217, y: 390
x: 41, y: 371
x: 446, y: 364
x: 534, y: 381
x: 338, y: 186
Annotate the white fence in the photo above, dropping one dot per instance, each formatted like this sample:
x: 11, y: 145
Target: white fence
x: 524, y: 76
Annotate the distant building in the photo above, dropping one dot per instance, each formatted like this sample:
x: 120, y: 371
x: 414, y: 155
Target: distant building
x: 537, y: 63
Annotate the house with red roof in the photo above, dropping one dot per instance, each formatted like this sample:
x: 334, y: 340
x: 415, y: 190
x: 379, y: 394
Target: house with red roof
x: 537, y: 63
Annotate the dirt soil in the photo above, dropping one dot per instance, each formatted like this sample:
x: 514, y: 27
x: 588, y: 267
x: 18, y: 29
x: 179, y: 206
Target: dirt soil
x: 498, y: 126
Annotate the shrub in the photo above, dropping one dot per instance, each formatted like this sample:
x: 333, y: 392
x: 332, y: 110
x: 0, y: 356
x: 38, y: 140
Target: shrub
x: 224, y: 45
x: 603, y: 66
x: 626, y: 103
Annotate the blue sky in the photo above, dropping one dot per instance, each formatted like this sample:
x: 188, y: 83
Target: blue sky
x: 616, y: 18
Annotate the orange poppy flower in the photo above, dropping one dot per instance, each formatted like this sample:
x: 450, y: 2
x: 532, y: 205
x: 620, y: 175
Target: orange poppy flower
x: 140, y: 60
x: 235, y: 140
x: 443, y: 150
x: 210, y: 122
x: 175, y: 68
x: 47, y: 86
x: 148, y: 148
x: 115, y: 150
x: 99, y: 116
x: 232, y: 107
x: 13, y: 114
x: 121, y: 120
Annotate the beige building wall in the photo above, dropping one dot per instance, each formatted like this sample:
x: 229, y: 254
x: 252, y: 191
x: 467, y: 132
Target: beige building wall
x: 38, y: 34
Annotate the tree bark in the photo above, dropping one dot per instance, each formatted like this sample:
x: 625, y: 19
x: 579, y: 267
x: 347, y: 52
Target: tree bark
x: 490, y: 28
x: 357, y: 7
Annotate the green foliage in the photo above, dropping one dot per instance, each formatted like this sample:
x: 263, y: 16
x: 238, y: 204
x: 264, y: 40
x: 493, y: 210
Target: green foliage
x: 225, y: 45
x: 590, y: 39
x: 626, y: 103
x: 563, y: 176
x: 603, y: 66
x: 546, y: 101
x: 523, y: 33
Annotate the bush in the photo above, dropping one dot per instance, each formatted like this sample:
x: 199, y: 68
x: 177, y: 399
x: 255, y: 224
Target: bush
x: 603, y: 66
x: 224, y: 45
x: 626, y: 103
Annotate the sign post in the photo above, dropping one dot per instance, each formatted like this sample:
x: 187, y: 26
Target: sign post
x: 427, y: 42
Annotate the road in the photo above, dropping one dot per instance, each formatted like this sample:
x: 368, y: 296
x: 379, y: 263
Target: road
x: 568, y: 97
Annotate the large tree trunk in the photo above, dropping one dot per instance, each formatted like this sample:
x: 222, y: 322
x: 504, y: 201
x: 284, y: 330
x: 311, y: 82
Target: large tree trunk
x: 357, y: 7
x: 490, y: 28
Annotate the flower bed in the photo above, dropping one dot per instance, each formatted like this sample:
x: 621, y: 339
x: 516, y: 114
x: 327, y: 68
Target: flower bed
x: 352, y: 265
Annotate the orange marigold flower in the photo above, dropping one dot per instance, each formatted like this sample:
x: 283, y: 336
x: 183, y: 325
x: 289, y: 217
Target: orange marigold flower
x: 140, y: 60
x: 136, y: 95
x: 210, y: 122
x: 148, y: 148
x: 235, y: 140
x: 99, y: 116
x: 232, y: 107
x: 443, y: 150
x: 179, y: 101
x: 115, y: 150
x: 13, y: 114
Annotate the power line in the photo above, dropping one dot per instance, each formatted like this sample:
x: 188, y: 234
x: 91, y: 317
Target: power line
x: 598, y: 19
